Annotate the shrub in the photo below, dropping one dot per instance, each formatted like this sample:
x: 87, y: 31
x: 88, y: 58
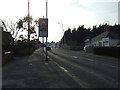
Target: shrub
x: 24, y: 47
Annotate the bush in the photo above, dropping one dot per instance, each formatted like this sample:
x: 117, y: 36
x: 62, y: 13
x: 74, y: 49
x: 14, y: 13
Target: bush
x: 6, y: 58
x: 7, y: 47
x: 24, y: 47
x: 76, y: 48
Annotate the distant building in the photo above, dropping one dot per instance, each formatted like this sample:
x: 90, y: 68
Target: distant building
x: 52, y: 44
x: 108, y: 38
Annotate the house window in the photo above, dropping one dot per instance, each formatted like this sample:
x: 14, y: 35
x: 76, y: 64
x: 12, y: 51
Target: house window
x: 94, y: 44
x: 100, y: 43
x: 105, y: 43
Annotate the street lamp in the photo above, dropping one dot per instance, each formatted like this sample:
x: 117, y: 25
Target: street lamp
x: 62, y: 31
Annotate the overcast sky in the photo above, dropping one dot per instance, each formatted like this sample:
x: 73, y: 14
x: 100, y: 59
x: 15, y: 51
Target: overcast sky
x: 70, y: 13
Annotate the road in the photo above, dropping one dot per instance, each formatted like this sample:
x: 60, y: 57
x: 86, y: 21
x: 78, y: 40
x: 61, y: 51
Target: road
x: 88, y: 70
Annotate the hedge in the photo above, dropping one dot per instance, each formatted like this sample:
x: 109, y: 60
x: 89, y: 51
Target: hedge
x: 107, y: 51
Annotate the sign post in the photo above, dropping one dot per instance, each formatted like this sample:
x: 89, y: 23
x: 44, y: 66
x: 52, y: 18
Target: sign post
x: 43, y: 28
x: 43, y: 31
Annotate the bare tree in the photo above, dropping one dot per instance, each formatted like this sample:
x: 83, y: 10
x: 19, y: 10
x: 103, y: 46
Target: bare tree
x: 10, y: 26
x: 15, y: 27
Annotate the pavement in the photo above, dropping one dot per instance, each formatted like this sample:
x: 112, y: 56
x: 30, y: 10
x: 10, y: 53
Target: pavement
x: 33, y: 72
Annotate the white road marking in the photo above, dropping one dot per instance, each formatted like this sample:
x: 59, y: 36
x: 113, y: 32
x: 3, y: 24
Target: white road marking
x: 46, y: 63
x: 30, y: 64
x: 63, y: 69
x: 113, y: 66
x: 48, y: 56
x: 116, y: 66
x: 90, y: 59
x: 74, y: 56
x: 73, y: 76
x: 84, y: 58
x: 7, y: 52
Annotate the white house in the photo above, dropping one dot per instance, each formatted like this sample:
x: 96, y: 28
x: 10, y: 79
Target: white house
x: 108, y: 38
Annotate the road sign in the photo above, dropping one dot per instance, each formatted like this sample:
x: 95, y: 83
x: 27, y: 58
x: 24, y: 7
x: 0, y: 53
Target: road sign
x: 43, y: 27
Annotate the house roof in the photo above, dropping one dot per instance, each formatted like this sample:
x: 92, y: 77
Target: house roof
x: 113, y: 35
x: 109, y: 34
x: 100, y: 36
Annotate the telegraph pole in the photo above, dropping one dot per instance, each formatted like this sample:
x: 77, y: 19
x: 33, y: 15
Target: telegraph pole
x: 43, y: 31
x: 46, y: 8
x: 46, y: 17
x: 28, y: 20
x: 43, y: 47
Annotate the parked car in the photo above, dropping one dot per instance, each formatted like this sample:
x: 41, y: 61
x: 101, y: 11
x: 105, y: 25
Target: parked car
x: 48, y: 48
x: 42, y: 45
x: 87, y: 46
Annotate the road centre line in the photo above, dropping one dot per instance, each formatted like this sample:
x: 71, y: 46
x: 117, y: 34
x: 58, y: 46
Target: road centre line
x: 74, y: 56
x: 84, y: 58
x: 113, y: 66
x: 90, y: 59
x: 91, y: 72
x: 96, y: 62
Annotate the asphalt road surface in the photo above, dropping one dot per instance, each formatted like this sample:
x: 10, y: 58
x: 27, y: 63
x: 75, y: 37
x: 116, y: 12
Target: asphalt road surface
x: 33, y: 72
x: 88, y: 70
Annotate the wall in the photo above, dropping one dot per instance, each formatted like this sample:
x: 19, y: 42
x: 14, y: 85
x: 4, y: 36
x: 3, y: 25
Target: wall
x: 89, y: 49
x: 114, y: 42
